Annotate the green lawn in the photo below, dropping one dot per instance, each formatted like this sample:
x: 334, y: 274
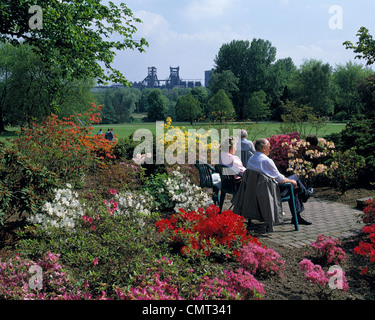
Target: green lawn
x: 255, y: 131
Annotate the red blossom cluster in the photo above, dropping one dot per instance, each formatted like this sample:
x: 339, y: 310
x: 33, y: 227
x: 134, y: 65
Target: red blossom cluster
x: 204, y: 231
x: 367, y: 248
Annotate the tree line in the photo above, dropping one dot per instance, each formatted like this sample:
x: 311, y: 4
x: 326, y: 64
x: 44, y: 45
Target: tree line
x: 53, y: 69
x: 248, y: 83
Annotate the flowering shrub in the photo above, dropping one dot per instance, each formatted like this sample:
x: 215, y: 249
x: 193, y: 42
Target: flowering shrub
x: 367, y: 249
x: 258, y: 259
x: 24, y: 185
x: 64, y: 146
x: 280, y: 148
x: 175, y: 191
x: 308, y: 162
x: 315, y: 274
x: 368, y: 214
x: 236, y: 285
x: 62, y: 212
x: 329, y: 250
x: 56, y: 282
x: 345, y: 168
x: 189, y: 139
x: 206, y: 231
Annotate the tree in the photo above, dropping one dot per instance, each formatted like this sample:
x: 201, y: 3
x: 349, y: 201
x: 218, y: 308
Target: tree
x: 220, y: 106
x: 256, y: 107
x: 73, y: 35
x: 188, y: 108
x: 251, y: 64
x: 225, y: 80
x: 310, y: 85
x: 157, y: 106
x: 29, y: 91
x: 345, y: 83
x: 365, y: 47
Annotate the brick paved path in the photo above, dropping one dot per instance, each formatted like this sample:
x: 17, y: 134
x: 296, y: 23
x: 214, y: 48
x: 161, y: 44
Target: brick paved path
x: 328, y: 218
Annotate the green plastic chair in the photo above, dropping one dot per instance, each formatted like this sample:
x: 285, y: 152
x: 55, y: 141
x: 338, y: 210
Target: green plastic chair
x: 292, y: 204
x: 229, y: 182
x: 205, y: 175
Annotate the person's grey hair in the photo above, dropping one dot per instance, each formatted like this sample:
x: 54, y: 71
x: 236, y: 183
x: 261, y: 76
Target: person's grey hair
x: 243, y: 134
x: 260, y: 143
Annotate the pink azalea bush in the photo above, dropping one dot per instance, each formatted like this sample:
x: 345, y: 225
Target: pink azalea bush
x: 329, y: 249
x: 235, y: 285
x: 259, y: 259
x: 316, y: 275
x: 280, y: 146
x: 56, y: 283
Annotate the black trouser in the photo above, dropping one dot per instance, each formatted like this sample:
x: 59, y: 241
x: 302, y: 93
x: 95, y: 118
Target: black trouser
x: 300, y: 194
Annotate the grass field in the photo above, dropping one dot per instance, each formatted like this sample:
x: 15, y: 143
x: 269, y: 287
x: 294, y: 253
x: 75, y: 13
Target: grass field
x: 255, y: 130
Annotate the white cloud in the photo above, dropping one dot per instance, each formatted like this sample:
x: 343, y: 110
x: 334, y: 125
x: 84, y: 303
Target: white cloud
x: 208, y: 8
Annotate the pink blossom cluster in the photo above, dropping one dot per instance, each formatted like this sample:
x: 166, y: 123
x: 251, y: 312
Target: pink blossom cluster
x: 280, y: 146
x: 329, y: 249
x: 56, y: 284
x: 316, y: 274
x: 236, y: 285
x: 313, y: 272
x: 150, y: 288
x: 259, y: 259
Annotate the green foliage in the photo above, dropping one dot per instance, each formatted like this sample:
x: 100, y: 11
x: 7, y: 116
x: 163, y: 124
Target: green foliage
x: 220, y: 107
x: 365, y: 47
x: 188, y: 108
x: 157, y: 106
x: 24, y: 186
x: 256, y: 107
x: 122, y: 249
x: 74, y: 35
x: 346, y: 166
x: 359, y: 133
x: 310, y: 85
x: 156, y: 186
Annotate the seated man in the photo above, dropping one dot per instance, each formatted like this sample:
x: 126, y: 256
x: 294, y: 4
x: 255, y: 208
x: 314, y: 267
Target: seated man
x: 260, y: 162
x: 246, y: 145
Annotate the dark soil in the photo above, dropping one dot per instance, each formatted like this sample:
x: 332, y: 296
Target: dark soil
x: 292, y: 285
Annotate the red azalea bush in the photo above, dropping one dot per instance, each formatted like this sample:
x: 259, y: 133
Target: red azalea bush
x: 367, y: 248
x: 206, y: 232
x: 280, y: 146
x: 368, y: 215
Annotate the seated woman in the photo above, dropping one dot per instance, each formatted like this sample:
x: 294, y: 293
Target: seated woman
x: 229, y: 158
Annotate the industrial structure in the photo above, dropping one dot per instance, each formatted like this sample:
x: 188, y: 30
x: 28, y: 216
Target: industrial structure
x: 174, y: 80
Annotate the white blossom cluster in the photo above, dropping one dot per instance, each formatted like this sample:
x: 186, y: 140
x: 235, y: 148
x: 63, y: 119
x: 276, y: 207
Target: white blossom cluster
x: 135, y: 203
x: 185, y: 194
x: 62, y: 212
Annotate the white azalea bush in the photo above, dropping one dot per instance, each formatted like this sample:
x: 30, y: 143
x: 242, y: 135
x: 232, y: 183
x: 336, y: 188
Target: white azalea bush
x: 62, y: 212
x: 176, y: 191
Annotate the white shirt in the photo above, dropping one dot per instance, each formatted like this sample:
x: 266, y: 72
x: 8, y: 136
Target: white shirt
x: 261, y: 163
x: 232, y: 161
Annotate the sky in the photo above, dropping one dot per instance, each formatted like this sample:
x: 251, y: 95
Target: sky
x: 189, y: 33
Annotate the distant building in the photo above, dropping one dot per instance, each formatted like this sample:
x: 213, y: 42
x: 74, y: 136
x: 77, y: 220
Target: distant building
x: 207, y: 76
